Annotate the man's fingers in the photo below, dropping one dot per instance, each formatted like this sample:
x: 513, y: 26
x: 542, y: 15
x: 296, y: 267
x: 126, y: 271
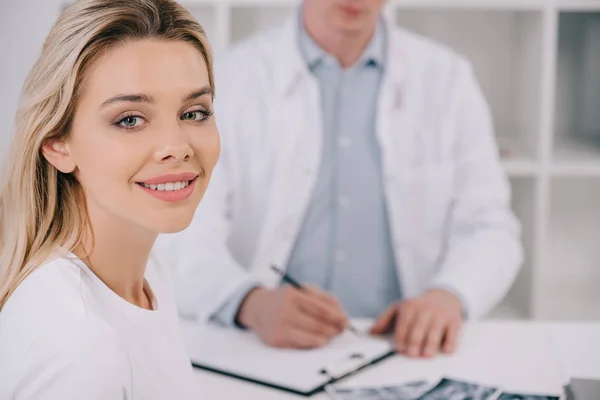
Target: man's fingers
x: 405, y: 317
x: 417, y: 333
x: 308, y: 323
x: 301, y: 339
x: 331, y: 303
x: 321, y: 311
x: 434, y: 337
x: 384, y: 321
x: 451, y: 337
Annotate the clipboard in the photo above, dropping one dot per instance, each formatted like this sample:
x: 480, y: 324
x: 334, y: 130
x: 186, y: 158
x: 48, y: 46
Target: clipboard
x: 241, y: 355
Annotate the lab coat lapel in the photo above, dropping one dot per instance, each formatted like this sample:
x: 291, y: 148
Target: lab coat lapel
x: 396, y: 134
x: 296, y: 129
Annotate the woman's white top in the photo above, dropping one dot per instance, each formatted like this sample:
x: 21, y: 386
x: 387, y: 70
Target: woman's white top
x: 65, y: 335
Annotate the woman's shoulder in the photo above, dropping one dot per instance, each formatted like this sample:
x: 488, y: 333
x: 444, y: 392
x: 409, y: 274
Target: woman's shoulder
x: 74, y: 358
x: 50, y: 291
x: 46, y: 314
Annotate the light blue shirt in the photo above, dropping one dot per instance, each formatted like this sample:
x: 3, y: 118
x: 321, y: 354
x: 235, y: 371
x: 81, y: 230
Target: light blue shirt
x: 344, y: 245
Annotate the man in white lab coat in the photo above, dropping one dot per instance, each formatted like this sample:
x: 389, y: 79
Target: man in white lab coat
x: 361, y: 159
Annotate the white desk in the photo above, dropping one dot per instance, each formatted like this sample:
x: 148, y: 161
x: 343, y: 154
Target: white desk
x: 520, y: 356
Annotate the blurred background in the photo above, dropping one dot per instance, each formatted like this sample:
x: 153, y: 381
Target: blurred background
x: 538, y: 62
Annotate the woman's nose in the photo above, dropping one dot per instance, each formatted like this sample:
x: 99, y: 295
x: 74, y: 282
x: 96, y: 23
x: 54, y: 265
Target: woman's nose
x: 176, y: 149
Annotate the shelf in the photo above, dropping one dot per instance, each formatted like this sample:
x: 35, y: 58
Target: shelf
x: 472, y: 4
x: 521, y: 168
x: 517, y: 159
x: 576, y: 157
x: 579, y: 5
x: 577, y: 116
x: 569, y: 280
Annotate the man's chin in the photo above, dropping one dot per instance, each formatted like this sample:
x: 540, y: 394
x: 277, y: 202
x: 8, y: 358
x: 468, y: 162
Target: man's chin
x: 350, y: 28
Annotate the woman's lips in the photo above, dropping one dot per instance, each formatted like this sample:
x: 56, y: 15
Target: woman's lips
x: 171, y: 192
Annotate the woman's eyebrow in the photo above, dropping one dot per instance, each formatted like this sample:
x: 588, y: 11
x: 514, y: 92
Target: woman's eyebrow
x: 206, y: 90
x: 144, y: 98
x: 128, y: 98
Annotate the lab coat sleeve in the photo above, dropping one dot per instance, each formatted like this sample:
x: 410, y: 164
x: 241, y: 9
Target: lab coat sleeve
x: 484, y: 251
x: 227, y: 314
x: 206, y: 275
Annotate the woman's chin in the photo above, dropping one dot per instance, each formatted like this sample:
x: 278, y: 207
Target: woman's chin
x: 175, y: 218
x: 174, y: 226
x: 169, y: 221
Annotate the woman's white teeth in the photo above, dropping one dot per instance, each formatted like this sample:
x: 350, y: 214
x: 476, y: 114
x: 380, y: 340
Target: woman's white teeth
x: 168, y: 187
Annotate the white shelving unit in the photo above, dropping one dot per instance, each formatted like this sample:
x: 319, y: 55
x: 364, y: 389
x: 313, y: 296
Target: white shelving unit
x: 538, y: 62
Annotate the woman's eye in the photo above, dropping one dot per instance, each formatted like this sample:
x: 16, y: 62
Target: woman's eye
x: 194, y: 116
x: 130, y: 122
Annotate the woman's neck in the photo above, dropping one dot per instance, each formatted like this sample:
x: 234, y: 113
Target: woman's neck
x: 118, y: 255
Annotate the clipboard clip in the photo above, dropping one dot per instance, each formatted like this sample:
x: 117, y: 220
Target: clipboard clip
x: 344, y: 367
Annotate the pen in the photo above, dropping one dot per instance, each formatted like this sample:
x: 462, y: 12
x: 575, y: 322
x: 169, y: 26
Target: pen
x: 288, y: 279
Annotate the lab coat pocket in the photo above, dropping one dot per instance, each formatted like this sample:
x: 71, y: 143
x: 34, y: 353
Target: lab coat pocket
x: 427, y: 195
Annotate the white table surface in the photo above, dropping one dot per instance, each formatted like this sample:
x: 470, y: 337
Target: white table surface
x: 528, y: 357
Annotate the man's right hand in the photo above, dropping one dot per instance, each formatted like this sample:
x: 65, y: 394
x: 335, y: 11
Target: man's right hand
x: 291, y: 318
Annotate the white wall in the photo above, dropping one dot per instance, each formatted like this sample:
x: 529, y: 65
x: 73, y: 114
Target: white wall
x: 23, y: 26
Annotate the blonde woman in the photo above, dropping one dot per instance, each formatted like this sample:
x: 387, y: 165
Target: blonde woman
x: 115, y: 143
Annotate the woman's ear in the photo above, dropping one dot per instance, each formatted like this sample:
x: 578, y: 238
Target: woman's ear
x: 58, y: 153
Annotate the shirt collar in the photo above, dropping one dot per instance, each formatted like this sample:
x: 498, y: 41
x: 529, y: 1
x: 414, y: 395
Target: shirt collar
x: 373, y: 55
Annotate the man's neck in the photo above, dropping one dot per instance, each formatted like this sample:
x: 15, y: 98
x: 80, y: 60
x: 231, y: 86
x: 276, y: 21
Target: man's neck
x: 118, y: 256
x: 346, y: 47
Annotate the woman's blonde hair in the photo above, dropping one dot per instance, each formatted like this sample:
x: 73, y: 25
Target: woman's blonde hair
x: 42, y: 209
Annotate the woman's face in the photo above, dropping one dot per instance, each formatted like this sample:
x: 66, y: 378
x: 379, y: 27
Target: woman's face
x: 144, y: 141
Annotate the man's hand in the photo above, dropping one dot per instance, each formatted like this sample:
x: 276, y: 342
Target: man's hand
x: 424, y: 325
x: 292, y: 318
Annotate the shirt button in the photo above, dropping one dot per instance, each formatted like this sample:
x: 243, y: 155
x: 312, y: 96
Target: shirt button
x: 340, y: 256
x: 344, y: 201
x: 344, y: 142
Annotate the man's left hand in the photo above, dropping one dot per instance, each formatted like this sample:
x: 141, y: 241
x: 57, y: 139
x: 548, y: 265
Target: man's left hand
x: 423, y: 325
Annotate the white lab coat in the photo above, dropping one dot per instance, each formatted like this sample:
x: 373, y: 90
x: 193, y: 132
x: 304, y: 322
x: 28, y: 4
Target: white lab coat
x: 447, y: 195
